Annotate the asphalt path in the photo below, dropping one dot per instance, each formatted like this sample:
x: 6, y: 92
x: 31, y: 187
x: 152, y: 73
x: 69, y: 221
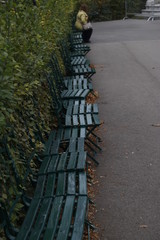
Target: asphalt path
x: 127, y: 59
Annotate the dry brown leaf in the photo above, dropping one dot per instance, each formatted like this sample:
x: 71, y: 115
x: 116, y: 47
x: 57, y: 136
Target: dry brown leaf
x: 143, y: 226
x: 156, y: 125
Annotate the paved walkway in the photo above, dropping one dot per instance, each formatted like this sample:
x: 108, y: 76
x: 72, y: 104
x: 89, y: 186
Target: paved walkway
x: 127, y: 58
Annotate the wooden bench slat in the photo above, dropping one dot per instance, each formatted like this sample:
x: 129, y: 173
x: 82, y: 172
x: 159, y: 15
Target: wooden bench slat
x: 53, y: 163
x: 29, y: 220
x: 83, y: 132
x: 82, y: 120
x: 75, y: 109
x: 82, y: 109
x: 67, y: 93
x: 82, y: 183
x: 96, y: 119
x: 44, y: 165
x: 89, y: 119
x: 55, y: 147
x: 95, y: 108
x: 41, y: 219
x: 69, y: 84
x: 59, y: 133
x: 71, y: 183
x: 53, y: 219
x: 85, y: 83
x: 80, y: 144
x: 40, y: 186
x: 79, y: 83
x: 68, y: 121
x: 88, y: 108
x: 66, y: 219
x: 50, y: 186
x: 63, y: 93
x: 79, y: 92
x: 90, y: 86
x: 72, y: 161
x: 67, y: 133
x: 74, y: 133
x: 62, y: 162
x: 72, y: 145
x: 75, y: 120
x: 49, y: 142
x: 81, y: 160
x: 61, y: 184
x: 80, y: 216
x: 74, y: 93
x: 69, y: 110
x: 74, y: 83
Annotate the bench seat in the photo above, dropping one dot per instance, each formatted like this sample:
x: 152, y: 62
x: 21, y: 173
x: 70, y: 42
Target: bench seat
x: 77, y: 109
x: 76, y: 94
x: 67, y: 161
x: 61, y: 217
x: 77, y: 82
x: 79, y: 60
x: 85, y: 70
x: 83, y: 120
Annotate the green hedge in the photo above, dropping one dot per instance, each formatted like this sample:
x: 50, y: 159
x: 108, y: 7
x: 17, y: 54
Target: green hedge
x: 28, y: 36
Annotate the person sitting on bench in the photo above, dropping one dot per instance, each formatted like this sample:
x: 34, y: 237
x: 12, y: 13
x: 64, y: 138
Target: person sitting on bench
x: 82, y: 23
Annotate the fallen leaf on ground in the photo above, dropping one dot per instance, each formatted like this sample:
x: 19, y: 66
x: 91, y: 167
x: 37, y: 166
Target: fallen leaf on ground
x: 156, y: 125
x: 143, y: 226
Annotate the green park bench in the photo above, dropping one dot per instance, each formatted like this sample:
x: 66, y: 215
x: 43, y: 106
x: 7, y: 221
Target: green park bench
x: 52, y: 196
x: 76, y: 38
x: 70, y: 87
x: 58, y: 207
x: 83, y: 69
x: 77, y: 81
x: 77, y: 46
x: 79, y: 49
x: 82, y: 116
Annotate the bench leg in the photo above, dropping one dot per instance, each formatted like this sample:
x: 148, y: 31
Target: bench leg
x: 93, y: 159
